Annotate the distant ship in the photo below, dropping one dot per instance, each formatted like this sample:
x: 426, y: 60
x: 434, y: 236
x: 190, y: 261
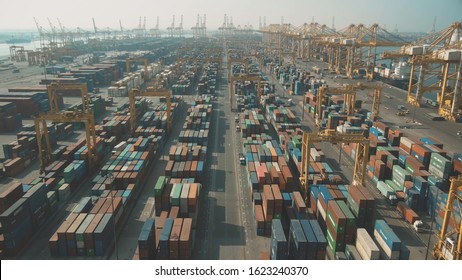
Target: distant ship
x: 398, y: 77
x: 18, y: 41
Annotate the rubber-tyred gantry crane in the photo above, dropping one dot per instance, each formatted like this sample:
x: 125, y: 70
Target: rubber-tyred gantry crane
x: 86, y: 116
x: 131, y: 60
x: 243, y: 78
x: 331, y: 136
x: 349, y: 101
x: 41, y: 130
x: 152, y: 93
x: 54, y: 88
x: 377, y: 96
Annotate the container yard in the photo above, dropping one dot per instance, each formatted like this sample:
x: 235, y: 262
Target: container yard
x: 276, y: 143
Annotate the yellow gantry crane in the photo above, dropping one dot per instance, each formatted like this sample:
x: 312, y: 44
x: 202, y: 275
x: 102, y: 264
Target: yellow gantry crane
x: 129, y: 61
x: 435, y: 60
x: 41, y: 130
x: 355, y: 48
x: 241, y: 61
x: 449, y: 245
x: 54, y: 88
x: 377, y: 96
x: 86, y: 116
x: 243, y: 78
x: 349, y: 101
x: 153, y: 93
x: 331, y: 136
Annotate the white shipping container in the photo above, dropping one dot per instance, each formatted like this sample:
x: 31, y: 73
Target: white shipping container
x: 321, y: 210
x: 364, y: 240
x: 407, y: 142
x: 361, y: 251
x: 314, y: 154
x: 276, y: 165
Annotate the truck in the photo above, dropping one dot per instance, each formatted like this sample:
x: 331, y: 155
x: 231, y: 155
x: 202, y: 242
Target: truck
x: 242, y: 158
x: 119, y: 147
x: 410, y: 216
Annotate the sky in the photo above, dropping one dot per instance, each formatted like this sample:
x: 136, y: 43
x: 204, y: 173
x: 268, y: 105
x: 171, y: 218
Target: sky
x: 406, y: 15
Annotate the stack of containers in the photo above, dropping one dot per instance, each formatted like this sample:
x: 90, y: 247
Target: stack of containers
x: 185, y: 242
x: 366, y: 246
x: 351, y: 253
x: 146, y: 240
x: 10, y: 195
x: 158, y: 190
x: 175, y: 238
x: 400, y: 176
x: 16, y: 226
x: 440, y: 166
x: 421, y: 186
x: 259, y: 219
x: 268, y: 206
x: 104, y: 235
x: 316, y: 242
x: 336, y: 227
x: 362, y: 205
x: 252, y: 123
x: 297, y: 241
x: 388, y: 240
x: 88, y: 231
x: 278, y: 243
x: 306, y: 240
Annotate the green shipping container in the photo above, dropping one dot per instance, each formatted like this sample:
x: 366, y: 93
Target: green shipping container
x: 337, y: 228
x: 175, y: 194
x: 159, y: 187
x: 350, y: 218
x: 333, y: 245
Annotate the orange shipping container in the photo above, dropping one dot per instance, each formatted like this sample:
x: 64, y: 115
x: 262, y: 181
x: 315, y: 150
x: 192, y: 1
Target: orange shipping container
x: 192, y: 197
x: 268, y: 203
x: 277, y: 199
x: 173, y: 244
x: 259, y: 217
x: 185, y: 243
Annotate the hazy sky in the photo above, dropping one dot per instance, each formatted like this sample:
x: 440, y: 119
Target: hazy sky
x: 408, y: 15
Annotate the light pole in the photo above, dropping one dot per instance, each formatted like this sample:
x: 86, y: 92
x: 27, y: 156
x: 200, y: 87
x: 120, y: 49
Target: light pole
x: 111, y: 177
x: 340, y: 154
x: 431, y: 226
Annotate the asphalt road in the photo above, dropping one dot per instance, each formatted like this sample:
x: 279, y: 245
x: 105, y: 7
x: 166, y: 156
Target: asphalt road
x: 226, y: 231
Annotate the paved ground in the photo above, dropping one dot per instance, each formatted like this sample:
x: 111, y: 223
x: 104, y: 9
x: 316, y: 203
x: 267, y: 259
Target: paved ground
x: 227, y: 230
